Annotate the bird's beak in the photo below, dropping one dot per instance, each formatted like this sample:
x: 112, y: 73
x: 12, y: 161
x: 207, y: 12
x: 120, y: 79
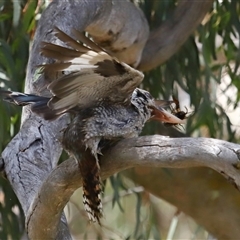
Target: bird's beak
x: 160, y: 114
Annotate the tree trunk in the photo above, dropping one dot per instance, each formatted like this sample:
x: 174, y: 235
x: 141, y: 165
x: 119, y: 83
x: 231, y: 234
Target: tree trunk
x: 31, y: 158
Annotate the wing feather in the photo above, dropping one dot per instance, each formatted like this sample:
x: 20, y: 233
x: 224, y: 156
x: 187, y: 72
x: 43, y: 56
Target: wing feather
x: 82, y: 38
x: 58, y: 52
x: 55, y: 67
x: 70, y: 41
x: 93, y: 75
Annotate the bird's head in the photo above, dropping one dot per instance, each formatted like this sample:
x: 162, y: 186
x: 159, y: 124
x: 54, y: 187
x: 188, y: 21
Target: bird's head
x: 142, y: 98
x: 153, y: 109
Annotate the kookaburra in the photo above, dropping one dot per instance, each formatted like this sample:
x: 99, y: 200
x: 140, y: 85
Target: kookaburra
x: 101, y: 95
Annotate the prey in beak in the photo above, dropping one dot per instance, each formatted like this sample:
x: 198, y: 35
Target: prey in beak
x: 160, y: 114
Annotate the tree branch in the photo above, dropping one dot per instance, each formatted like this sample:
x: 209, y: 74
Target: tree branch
x: 150, y: 151
x: 201, y: 193
x: 35, y: 150
x: 166, y: 40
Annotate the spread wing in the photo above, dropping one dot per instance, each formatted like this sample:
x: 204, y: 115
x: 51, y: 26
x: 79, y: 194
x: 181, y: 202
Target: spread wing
x: 92, y: 75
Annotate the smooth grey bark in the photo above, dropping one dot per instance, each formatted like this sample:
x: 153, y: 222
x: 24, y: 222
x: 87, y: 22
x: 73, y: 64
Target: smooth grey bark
x: 165, y: 41
x: 149, y: 151
x: 34, y: 152
x: 201, y: 193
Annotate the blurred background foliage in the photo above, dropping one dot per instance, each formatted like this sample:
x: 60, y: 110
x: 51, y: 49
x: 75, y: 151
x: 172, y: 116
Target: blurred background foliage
x: 204, y: 74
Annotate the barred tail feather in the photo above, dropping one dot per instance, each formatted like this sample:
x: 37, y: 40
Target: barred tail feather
x: 90, y: 171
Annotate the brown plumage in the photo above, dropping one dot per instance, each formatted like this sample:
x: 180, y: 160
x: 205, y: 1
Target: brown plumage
x: 92, y: 188
x: 100, y: 92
